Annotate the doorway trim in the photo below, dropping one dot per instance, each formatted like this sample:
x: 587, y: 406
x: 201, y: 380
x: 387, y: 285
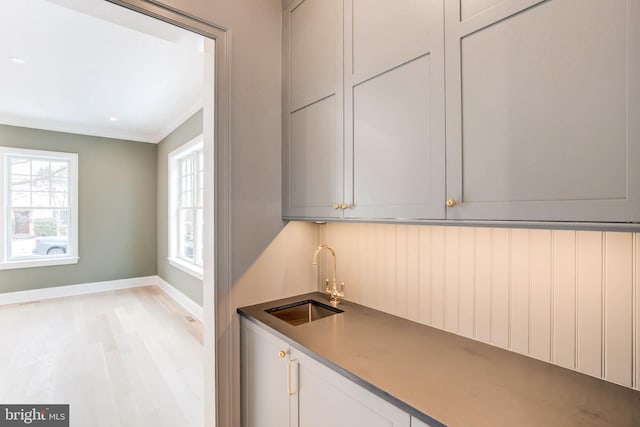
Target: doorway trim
x: 217, y: 208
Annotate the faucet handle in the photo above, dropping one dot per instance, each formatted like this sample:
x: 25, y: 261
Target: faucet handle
x: 326, y: 285
x: 335, y: 294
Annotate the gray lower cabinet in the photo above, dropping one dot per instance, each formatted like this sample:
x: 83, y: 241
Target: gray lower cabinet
x: 283, y: 387
x: 543, y: 110
x: 542, y: 106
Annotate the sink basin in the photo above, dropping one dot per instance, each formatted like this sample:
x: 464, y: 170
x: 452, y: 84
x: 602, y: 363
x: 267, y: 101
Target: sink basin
x: 301, y: 312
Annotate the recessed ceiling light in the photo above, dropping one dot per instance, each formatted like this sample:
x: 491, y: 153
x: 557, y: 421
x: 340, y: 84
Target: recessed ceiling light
x: 113, y: 119
x: 17, y: 60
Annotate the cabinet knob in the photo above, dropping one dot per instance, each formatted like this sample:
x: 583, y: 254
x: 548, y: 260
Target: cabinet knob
x: 336, y: 206
x: 282, y: 354
x: 451, y: 203
x: 345, y: 206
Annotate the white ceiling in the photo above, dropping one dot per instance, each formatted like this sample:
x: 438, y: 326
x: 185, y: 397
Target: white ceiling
x: 89, y: 60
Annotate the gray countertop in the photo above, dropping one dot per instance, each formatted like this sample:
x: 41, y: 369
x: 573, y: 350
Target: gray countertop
x: 438, y: 376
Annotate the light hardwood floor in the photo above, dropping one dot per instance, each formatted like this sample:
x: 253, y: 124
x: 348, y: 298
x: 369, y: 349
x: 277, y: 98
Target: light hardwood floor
x: 122, y: 358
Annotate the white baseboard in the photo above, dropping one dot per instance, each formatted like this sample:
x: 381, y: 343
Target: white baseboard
x: 183, y: 300
x: 19, y: 297
x: 32, y: 295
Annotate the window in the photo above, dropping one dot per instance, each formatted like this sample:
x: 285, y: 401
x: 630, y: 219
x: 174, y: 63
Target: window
x: 39, y: 208
x: 186, y: 170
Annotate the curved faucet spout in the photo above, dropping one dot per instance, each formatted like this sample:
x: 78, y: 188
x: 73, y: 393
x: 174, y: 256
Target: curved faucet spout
x: 335, y: 294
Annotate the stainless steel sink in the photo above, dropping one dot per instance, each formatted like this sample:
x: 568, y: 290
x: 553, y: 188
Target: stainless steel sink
x: 301, y: 312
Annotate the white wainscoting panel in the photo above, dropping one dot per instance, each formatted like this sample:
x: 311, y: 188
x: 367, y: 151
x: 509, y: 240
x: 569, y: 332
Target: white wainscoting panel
x: 482, y: 284
x: 618, y: 317
x: 540, y: 305
x: 589, y: 303
x: 563, y: 283
x: 520, y: 291
x: 566, y: 297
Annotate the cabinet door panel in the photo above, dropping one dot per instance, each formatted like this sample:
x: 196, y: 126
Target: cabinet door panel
x: 314, y: 161
x: 417, y: 423
x: 541, y: 124
x: 265, y: 401
x: 313, y: 123
x: 394, y: 120
x: 328, y: 399
x: 469, y: 8
x: 386, y: 34
x: 391, y: 144
x: 313, y: 40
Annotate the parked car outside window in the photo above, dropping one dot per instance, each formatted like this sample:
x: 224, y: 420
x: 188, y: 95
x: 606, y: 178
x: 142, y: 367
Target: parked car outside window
x: 51, y: 245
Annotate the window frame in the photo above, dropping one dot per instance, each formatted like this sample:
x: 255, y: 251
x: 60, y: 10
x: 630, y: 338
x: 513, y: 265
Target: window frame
x: 72, y: 256
x: 173, y: 174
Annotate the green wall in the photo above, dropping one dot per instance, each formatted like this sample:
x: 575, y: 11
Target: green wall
x: 117, y: 209
x: 184, y: 282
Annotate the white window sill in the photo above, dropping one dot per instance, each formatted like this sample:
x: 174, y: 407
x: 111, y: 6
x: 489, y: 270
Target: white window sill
x: 29, y: 263
x: 191, y: 269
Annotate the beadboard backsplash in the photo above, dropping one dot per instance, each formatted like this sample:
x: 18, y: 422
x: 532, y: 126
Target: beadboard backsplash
x: 571, y: 298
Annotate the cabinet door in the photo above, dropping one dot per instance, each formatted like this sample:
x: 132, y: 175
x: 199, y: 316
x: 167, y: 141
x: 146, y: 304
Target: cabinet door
x: 265, y: 397
x: 543, y: 109
x: 313, y: 152
x: 417, y: 423
x: 394, y: 109
x: 326, y: 398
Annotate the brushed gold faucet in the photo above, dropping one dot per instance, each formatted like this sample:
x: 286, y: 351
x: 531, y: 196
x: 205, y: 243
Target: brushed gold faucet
x: 333, y: 291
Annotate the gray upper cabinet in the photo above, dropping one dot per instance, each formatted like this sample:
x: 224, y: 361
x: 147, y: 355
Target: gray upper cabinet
x: 313, y: 122
x: 365, y: 109
x: 394, y: 109
x: 543, y: 110
x: 519, y: 110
